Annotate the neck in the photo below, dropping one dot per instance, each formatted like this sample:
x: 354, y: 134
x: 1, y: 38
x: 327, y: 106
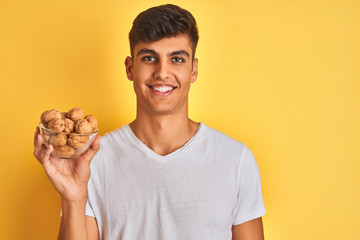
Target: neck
x: 164, y: 134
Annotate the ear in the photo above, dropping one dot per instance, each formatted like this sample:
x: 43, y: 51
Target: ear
x: 194, y: 72
x: 129, y: 68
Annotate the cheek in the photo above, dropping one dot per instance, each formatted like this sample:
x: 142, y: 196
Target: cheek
x: 138, y: 87
x: 184, y: 77
x: 139, y: 81
x: 143, y: 73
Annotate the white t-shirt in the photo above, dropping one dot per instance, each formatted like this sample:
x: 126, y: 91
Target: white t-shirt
x: 197, y: 192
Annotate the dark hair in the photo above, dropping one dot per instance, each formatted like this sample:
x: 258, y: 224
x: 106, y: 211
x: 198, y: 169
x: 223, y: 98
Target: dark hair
x: 163, y: 21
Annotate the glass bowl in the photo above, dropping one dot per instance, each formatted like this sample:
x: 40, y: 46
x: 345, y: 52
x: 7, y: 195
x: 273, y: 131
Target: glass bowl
x: 67, y: 145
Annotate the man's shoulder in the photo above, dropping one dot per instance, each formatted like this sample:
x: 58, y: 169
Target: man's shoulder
x: 111, y: 143
x: 114, y: 140
x: 220, y: 138
x: 223, y: 145
x: 113, y: 136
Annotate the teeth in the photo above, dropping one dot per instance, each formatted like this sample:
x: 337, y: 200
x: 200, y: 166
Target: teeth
x: 163, y: 89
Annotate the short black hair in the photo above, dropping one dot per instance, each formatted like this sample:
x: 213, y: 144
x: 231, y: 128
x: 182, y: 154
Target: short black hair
x: 163, y: 21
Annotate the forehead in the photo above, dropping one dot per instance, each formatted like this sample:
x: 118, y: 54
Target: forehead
x: 166, y: 45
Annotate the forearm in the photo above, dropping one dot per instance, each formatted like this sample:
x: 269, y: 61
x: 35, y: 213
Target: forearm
x: 73, y: 224
x: 251, y: 230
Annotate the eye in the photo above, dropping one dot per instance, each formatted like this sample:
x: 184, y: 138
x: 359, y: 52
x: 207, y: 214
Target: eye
x: 178, y: 60
x: 148, y: 59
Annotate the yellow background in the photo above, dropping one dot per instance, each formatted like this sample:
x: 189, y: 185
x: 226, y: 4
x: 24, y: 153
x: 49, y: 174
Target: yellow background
x: 282, y: 76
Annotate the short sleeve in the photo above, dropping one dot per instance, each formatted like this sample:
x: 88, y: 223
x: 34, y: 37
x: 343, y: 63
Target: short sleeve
x: 249, y: 203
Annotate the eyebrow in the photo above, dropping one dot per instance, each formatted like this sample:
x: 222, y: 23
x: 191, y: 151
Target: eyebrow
x: 146, y: 51
x: 152, y: 52
x: 181, y: 52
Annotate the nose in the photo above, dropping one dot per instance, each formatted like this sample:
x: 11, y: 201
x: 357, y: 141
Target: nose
x: 162, y: 70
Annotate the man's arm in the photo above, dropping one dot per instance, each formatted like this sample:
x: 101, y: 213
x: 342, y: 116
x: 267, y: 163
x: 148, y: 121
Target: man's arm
x: 92, y: 228
x: 70, y: 228
x: 251, y: 230
x: 70, y: 178
x: 73, y: 224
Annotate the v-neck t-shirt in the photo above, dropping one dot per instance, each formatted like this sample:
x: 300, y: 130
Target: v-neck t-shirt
x: 196, y: 192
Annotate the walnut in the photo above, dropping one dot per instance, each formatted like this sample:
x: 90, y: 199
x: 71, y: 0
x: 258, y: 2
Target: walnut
x: 69, y: 125
x: 64, y: 151
x: 57, y: 125
x: 93, y: 121
x: 71, y: 131
x: 75, y: 114
x: 49, y: 115
x: 83, y: 126
x: 58, y: 139
x: 78, y: 141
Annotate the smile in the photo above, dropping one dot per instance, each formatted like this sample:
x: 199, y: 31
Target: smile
x: 162, y: 89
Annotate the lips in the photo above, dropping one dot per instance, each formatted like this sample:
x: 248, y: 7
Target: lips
x: 162, y: 90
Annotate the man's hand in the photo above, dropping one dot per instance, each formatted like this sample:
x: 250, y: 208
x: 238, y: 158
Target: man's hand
x: 251, y: 230
x: 69, y: 176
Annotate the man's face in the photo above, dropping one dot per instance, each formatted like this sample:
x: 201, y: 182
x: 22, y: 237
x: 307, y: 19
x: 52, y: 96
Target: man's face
x: 161, y: 72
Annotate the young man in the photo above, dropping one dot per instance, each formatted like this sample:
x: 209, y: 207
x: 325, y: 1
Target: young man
x: 163, y: 176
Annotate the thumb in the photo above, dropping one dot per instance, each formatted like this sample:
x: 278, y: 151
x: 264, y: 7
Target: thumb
x: 92, y: 150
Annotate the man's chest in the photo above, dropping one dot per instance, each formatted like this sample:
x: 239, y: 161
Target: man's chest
x: 198, y: 193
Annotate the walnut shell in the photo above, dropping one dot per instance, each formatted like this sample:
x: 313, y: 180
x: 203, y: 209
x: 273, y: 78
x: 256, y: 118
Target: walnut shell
x: 57, y: 125
x: 65, y: 151
x: 58, y: 140
x: 77, y: 141
x: 69, y: 125
x: 63, y: 115
x: 49, y: 115
x: 83, y: 126
x: 75, y: 114
x: 93, y: 121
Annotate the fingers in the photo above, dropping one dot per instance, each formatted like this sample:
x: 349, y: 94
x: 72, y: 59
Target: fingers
x: 38, y: 146
x: 94, y: 147
x: 45, y: 156
x: 41, y: 152
x: 37, y: 132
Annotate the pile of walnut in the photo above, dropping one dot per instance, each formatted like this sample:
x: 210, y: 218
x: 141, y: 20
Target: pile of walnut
x: 63, y: 123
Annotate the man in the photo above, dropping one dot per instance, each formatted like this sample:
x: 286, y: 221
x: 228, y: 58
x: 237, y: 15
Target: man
x: 163, y: 176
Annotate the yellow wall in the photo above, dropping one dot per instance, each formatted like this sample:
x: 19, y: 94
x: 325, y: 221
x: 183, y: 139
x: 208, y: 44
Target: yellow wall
x: 282, y: 76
